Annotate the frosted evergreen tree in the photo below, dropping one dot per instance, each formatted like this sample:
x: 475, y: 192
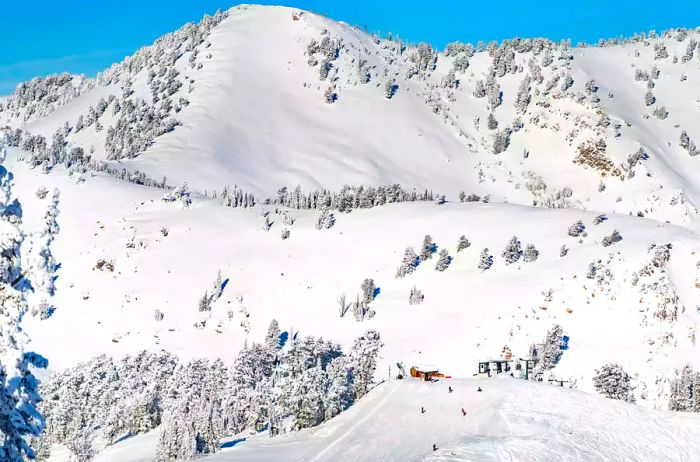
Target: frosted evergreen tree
x: 428, y: 248
x: 612, y: 239
x: 408, y: 264
x: 685, y: 391
x: 330, y: 96
x: 501, y: 140
x: 415, y: 297
x: 493, y: 93
x: 81, y: 445
x: 513, y: 251
x: 684, y: 140
x: 463, y: 243
x: 491, y: 122
x: 576, y: 229
x: 611, y: 381
x: 563, y: 251
x: 205, y: 302
x: 443, y: 261
x: 549, y: 353
x: 19, y: 395
x: 649, y: 98
x: 485, y: 260
x: 599, y: 219
x: 325, y: 219
x: 479, y: 89
x: 389, y: 89
x: 363, y: 358
x: 522, y: 99
x: 368, y: 291
x: 530, y: 253
x: 272, y: 339
x: 284, y: 234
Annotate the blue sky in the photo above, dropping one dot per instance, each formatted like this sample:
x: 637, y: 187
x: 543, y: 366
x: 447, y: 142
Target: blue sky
x: 84, y: 36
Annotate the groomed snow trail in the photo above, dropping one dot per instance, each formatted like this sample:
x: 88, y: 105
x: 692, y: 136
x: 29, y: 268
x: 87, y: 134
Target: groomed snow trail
x: 510, y: 420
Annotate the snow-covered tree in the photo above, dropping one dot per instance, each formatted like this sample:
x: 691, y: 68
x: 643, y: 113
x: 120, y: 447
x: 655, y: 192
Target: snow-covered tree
x: 576, y: 229
x: 685, y: 391
x: 19, y: 395
x: 389, y: 89
x: 491, y: 122
x: 444, y: 260
x: 363, y: 358
x: 428, y: 248
x: 415, y: 297
x: 485, y: 260
x: 513, y: 251
x: 613, y: 382
x: 272, y: 339
x: 325, y: 219
x: 612, y: 239
x: 81, y: 445
x: 408, y: 264
x: 463, y: 243
x: 563, y: 251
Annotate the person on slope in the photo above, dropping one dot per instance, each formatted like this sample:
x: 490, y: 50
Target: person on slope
x: 435, y: 448
x: 449, y: 389
x: 478, y: 389
x: 422, y: 410
x: 464, y: 413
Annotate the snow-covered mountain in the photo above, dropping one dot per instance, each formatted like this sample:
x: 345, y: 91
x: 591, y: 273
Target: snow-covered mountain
x: 316, y: 154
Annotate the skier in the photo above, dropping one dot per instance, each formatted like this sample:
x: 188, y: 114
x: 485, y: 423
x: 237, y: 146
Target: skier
x: 435, y: 448
x: 478, y: 389
x: 422, y: 411
x: 449, y: 389
x: 464, y: 413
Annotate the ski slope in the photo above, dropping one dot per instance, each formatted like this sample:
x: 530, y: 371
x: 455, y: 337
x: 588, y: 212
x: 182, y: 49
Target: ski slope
x: 509, y: 420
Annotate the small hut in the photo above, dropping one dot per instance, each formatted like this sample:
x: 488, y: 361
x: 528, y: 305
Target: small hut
x: 425, y: 372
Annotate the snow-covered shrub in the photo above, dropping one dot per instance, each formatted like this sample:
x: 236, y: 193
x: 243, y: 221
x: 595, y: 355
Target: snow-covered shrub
x: 611, y: 381
x: 612, y: 239
x: 415, y: 297
x: 530, y: 253
x: 577, y: 229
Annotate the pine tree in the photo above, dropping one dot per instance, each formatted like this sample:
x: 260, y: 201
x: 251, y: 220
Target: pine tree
x: 463, y: 243
x: 368, y: 291
x: 612, y: 239
x: 491, y: 122
x: 428, y: 249
x: 415, y: 297
x: 485, y: 260
x: 444, y: 260
x: 550, y: 351
x: 408, y: 264
x: 363, y: 358
x: 513, y: 251
x: 19, y: 395
x: 81, y: 445
x: 576, y: 229
x: 563, y: 251
x: 272, y: 339
x: 613, y: 382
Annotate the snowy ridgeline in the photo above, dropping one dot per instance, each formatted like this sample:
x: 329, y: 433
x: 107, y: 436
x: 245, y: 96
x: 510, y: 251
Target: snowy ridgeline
x: 282, y: 385
x: 505, y: 121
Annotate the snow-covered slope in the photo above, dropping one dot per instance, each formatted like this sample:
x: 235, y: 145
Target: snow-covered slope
x: 508, y: 420
x: 646, y: 322
x: 270, y: 97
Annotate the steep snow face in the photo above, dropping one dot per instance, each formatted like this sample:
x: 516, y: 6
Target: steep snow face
x: 508, y: 420
x: 251, y: 100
